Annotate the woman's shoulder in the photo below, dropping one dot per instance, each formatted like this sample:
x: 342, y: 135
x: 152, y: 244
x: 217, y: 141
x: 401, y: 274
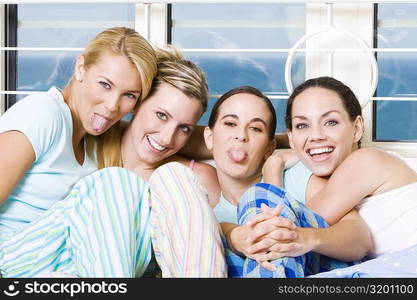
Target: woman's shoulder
x: 46, y: 106
x: 371, y: 156
x: 375, y: 163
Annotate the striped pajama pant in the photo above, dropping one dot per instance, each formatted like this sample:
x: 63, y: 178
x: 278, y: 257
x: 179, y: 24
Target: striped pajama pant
x: 105, y: 227
x: 301, y: 266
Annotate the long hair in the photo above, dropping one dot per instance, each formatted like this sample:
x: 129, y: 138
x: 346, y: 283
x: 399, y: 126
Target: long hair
x: 130, y: 44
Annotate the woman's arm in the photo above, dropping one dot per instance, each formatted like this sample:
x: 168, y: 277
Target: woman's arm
x: 208, y: 178
x: 16, y: 157
x: 363, y: 173
x: 347, y: 240
x: 274, y: 167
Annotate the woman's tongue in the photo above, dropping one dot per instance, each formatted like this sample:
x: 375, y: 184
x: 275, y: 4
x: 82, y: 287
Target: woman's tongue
x: 236, y: 155
x: 99, y: 123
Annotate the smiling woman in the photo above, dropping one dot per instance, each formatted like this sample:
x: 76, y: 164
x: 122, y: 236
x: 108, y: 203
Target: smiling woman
x: 160, y: 128
x: 324, y: 127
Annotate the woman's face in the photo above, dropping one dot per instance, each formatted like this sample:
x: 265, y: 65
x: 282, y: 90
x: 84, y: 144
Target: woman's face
x: 108, y: 90
x: 322, y: 133
x: 161, y: 126
x: 240, y: 137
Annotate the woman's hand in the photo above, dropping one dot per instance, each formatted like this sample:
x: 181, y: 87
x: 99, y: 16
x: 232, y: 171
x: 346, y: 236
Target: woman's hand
x: 275, y: 165
x: 262, y: 232
x: 303, y: 243
x: 274, y: 237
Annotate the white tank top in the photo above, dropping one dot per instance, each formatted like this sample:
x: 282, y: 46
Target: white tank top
x: 392, y: 218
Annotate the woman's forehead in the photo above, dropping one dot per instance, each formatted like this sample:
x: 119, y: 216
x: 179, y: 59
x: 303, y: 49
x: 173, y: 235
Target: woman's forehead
x: 244, y: 105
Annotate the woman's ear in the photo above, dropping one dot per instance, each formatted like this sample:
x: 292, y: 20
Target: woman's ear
x: 208, y: 138
x: 79, y: 70
x: 289, y: 133
x: 358, y: 128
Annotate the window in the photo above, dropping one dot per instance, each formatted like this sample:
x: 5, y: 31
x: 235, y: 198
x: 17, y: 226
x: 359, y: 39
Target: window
x: 57, y: 26
x: 396, y: 120
x: 241, y: 44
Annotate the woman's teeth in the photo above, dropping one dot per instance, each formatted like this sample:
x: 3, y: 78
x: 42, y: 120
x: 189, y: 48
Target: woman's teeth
x: 154, y: 144
x: 320, y: 150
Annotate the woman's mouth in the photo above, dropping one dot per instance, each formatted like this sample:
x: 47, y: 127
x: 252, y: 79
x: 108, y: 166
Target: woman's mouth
x: 155, y: 145
x: 237, y: 155
x: 100, y: 123
x: 320, y: 154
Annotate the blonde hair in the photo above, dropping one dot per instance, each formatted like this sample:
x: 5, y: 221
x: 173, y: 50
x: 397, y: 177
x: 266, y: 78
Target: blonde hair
x: 130, y: 44
x: 175, y: 70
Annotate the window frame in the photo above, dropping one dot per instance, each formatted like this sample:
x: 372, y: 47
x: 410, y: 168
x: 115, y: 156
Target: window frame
x: 152, y: 19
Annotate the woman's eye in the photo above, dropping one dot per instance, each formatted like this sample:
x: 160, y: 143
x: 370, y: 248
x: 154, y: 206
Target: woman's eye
x: 132, y: 96
x: 161, y: 116
x: 256, y: 129
x: 185, y: 129
x: 230, y: 124
x: 104, y: 84
x: 331, y: 123
x: 300, y: 126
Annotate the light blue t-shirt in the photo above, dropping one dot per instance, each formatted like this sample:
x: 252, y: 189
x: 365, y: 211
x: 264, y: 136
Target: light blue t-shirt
x: 225, y: 211
x: 46, y: 121
x: 295, y: 183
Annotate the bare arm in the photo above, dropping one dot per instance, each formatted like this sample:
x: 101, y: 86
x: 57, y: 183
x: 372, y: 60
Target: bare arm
x: 208, y: 178
x: 363, y: 173
x: 347, y: 240
x: 16, y: 157
x: 274, y: 167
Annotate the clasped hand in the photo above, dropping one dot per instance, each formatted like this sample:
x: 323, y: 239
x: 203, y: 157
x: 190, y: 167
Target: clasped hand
x: 268, y: 236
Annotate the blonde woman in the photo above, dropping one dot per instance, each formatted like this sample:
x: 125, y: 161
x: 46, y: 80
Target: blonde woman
x: 154, y: 136
x: 43, y: 140
x: 185, y: 237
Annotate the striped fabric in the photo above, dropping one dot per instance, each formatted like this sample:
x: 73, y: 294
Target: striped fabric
x: 100, y: 230
x: 185, y: 233
x: 103, y: 229
x: 301, y: 266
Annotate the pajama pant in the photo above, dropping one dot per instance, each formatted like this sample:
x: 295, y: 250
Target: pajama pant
x: 103, y: 229
x: 301, y: 266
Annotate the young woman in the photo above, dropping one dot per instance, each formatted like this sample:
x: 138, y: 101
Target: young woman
x: 44, y: 139
x: 325, y: 125
x: 159, y: 129
x: 161, y: 126
x: 241, y: 136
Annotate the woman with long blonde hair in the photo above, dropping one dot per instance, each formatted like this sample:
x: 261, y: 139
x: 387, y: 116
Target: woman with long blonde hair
x: 44, y: 138
x: 179, y: 189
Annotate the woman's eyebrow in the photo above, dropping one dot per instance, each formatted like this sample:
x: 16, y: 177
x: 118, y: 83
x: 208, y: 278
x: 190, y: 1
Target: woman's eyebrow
x: 323, y: 115
x: 258, y: 120
x: 234, y: 116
